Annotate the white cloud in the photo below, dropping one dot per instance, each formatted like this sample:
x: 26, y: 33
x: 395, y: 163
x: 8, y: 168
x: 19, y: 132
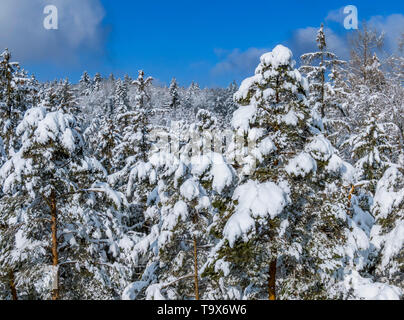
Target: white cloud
x: 237, y: 62
x: 22, y: 30
x: 336, y: 15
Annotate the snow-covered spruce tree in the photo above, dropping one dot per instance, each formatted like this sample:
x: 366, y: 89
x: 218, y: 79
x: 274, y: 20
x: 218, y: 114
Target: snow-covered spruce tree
x: 328, y: 90
x: 102, y: 138
x: 85, y: 84
x: 394, y: 94
x: 125, y: 120
x: 157, y: 172
x: 130, y: 154
x: 64, y: 230
x: 142, y: 109
x: 367, y: 84
x: 387, y: 234
x: 67, y: 99
x: 174, y: 96
x: 189, y: 176
x: 192, y: 102
x: 17, y: 94
x: 283, y: 235
x: 318, y: 66
x: 121, y: 99
x: 134, y: 130
x: 371, y: 151
x: 48, y: 97
x: 97, y: 82
x: 368, y: 145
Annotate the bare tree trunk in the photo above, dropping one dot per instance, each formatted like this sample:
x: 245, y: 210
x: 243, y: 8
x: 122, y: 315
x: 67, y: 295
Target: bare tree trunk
x: 322, y: 89
x: 55, y: 253
x: 272, y: 280
x: 351, y: 192
x: 196, y: 280
x: 12, y: 285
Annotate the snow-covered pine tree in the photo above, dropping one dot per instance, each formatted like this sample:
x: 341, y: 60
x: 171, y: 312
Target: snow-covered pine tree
x: 394, y: 94
x: 191, y: 102
x: 85, y: 84
x: 97, y: 82
x: 58, y: 213
x: 290, y: 178
x: 17, y: 94
x: 179, y: 213
x: 174, y: 96
x: 387, y: 234
x: 132, y: 148
x: 48, y: 97
x: 371, y: 151
x: 125, y: 152
x: 121, y: 96
x: 143, y: 112
x: 66, y: 99
x: 318, y: 66
x: 102, y: 138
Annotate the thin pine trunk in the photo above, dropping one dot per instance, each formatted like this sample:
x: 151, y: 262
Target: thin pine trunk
x: 12, y: 285
x: 196, y: 280
x: 351, y: 192
x: 55, y: 253
x: 272, y: 280
x: 322, y: 88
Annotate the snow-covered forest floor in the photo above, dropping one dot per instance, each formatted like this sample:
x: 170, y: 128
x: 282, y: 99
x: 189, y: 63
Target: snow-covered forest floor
x: 290, y: 186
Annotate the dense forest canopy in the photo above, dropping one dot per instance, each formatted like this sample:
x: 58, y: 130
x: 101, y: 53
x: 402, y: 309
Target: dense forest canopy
x: 289, y: 186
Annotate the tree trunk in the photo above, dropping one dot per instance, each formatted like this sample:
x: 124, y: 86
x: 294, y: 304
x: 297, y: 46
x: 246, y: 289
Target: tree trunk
x: 55, y: 253
x: 196, y: 281
x: 12, y: 285
x: 322, y: 89
x: 272, y: 280
x: 351, y: 192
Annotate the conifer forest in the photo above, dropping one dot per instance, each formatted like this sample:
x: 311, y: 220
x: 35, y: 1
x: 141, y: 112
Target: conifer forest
x: 286, y: 186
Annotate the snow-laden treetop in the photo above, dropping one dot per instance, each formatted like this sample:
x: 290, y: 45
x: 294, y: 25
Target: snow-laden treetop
x: 269, y: 68
x: 279, y: 56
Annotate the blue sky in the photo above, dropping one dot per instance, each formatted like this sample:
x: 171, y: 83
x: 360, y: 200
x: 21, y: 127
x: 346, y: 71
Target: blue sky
x: 211, y: 42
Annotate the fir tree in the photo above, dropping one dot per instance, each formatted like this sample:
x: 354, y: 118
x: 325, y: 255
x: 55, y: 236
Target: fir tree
x: 63, y: 213
x: 387, y: 233
x: 97, y: 81
x: 17, y: 94
x: 85, y: 84
x: 174, y: 96
x: 318, y: 66
x: 269, y: 244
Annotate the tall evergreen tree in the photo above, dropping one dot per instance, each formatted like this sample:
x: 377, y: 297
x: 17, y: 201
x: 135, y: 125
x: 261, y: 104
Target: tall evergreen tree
x: 265, y: 236
x: 58, y: 213
x: 174, y: 96
x: 318, y: 66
